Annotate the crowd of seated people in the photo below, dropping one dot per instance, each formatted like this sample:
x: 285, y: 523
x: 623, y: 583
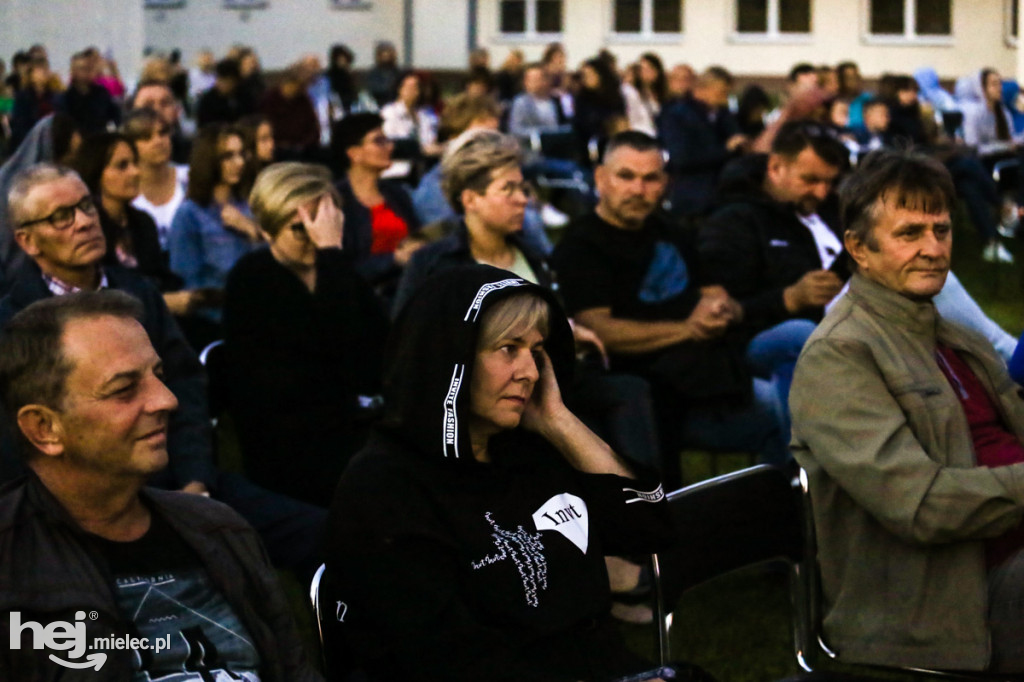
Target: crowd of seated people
x: 705, y: 241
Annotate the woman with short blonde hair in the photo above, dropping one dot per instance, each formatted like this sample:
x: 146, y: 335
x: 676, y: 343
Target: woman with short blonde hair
x: 303, y: 336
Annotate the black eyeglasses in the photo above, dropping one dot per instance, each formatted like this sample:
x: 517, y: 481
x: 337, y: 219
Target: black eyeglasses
x: 64, y: 216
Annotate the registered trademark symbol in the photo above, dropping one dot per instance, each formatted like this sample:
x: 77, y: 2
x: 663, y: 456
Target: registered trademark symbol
x: 93, y: 615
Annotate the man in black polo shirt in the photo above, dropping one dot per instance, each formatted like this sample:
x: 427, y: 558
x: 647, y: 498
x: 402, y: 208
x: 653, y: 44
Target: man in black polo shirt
x: 632, y: 275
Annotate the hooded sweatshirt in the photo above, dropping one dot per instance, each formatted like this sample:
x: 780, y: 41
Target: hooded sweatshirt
x: 980, y: 125
x: 449, y: 568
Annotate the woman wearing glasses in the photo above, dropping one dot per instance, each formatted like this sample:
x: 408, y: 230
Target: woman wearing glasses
x: 304, y: 336
x: 213, y: 227
x: 482, y: 180
x: 161, y: 183
x: 379, y: 215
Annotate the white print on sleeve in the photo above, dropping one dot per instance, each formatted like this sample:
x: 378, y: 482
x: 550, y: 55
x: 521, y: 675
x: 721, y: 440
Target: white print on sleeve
x: 652, y: 496
x: 566, y: 514
x: 526, y: 550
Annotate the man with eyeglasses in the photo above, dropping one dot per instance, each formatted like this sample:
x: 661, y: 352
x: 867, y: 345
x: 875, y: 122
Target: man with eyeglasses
x: 57, y: 225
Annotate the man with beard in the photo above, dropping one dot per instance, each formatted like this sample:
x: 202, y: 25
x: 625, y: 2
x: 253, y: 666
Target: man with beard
x: 631, y: 274
x: 771, y: 248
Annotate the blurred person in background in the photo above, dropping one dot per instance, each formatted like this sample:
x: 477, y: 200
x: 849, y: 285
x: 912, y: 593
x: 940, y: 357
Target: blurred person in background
x: 380, y: 221
x: 382, y: 79
x: 213, y: 227
x: 162, y: 183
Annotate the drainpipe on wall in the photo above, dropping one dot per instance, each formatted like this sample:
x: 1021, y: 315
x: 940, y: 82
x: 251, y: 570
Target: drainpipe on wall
x: 1020, y: 46
x: 407, y: 32
x: 471, y: 26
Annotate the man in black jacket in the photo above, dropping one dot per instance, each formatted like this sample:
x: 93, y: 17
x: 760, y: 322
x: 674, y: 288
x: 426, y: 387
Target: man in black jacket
x: 771, y: 248
x: 57, y: 226
x: 86, y: 101
x: 161, y: 575
x: 631, y: 274
x: 700, y: 134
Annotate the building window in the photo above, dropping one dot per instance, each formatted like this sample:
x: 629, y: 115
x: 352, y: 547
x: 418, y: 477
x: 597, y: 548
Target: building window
x: 910, y: 19
x: 773, y: 18
x: 530, y: 17
x: 647, y: 17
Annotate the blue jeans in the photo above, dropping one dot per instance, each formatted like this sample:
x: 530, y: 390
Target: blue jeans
x: 772, y: 355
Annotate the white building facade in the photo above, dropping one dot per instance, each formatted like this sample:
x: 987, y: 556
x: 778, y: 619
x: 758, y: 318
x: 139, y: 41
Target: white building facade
x: 749, y: 37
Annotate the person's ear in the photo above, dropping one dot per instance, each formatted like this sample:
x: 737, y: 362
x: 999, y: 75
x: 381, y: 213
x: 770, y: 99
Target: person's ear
x: 42, y: 427
x: 468, y: 199
x: 856, y: 248
x: 354, y: 155
x: 26, y: 240
x: 600, y: 177
x: 775, y: 166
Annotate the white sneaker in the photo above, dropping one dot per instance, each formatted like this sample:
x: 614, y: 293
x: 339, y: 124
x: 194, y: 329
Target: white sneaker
x: 552, y: 217
x: 1009, y: 220
x: 996, y: 253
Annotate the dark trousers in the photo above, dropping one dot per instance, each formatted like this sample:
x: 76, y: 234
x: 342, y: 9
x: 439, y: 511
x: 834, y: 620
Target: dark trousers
x: 1006, y: 615
x: 292, y: 531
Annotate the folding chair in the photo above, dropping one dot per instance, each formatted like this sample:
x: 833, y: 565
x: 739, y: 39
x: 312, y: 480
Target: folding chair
x: 212, y: 358
x: 726, y: 523
x: 810, y: 616
x: 335, y: 654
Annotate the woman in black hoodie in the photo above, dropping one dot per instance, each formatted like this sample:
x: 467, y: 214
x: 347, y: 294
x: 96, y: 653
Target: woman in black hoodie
x: 467, y: 539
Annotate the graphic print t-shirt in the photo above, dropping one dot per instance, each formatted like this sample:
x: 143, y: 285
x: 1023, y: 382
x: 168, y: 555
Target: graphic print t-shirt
x: 163, y: 589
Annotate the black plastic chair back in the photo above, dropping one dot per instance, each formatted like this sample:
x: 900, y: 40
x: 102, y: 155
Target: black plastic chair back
x: 729, y: 522
x: 560, y: 145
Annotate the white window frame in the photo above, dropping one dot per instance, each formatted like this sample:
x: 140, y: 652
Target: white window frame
x: 531, y: 35
x: 909, y: 37
x: 772, y: 34
x: 646, y: 34
x: 1011, y: 40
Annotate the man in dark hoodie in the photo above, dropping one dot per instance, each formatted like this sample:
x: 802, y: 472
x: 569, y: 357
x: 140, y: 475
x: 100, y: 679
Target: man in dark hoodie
x: 467, y: 540
x: 772, y: 250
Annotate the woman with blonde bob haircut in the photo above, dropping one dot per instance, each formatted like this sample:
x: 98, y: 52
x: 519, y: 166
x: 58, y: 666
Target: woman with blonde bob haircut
x: 303, y: 336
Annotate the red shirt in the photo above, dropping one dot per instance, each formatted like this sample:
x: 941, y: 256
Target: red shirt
x: 994, y: 444
x: 388, y: 229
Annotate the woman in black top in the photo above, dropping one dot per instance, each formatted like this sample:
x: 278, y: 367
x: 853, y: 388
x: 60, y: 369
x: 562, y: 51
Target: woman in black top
x: 109, y: 166
x: 467, y: 540
x: 600, y: 109
x: 303, y: 338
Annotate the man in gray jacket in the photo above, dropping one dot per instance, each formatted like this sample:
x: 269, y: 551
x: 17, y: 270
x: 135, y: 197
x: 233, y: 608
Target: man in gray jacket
x: 911, y: 434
